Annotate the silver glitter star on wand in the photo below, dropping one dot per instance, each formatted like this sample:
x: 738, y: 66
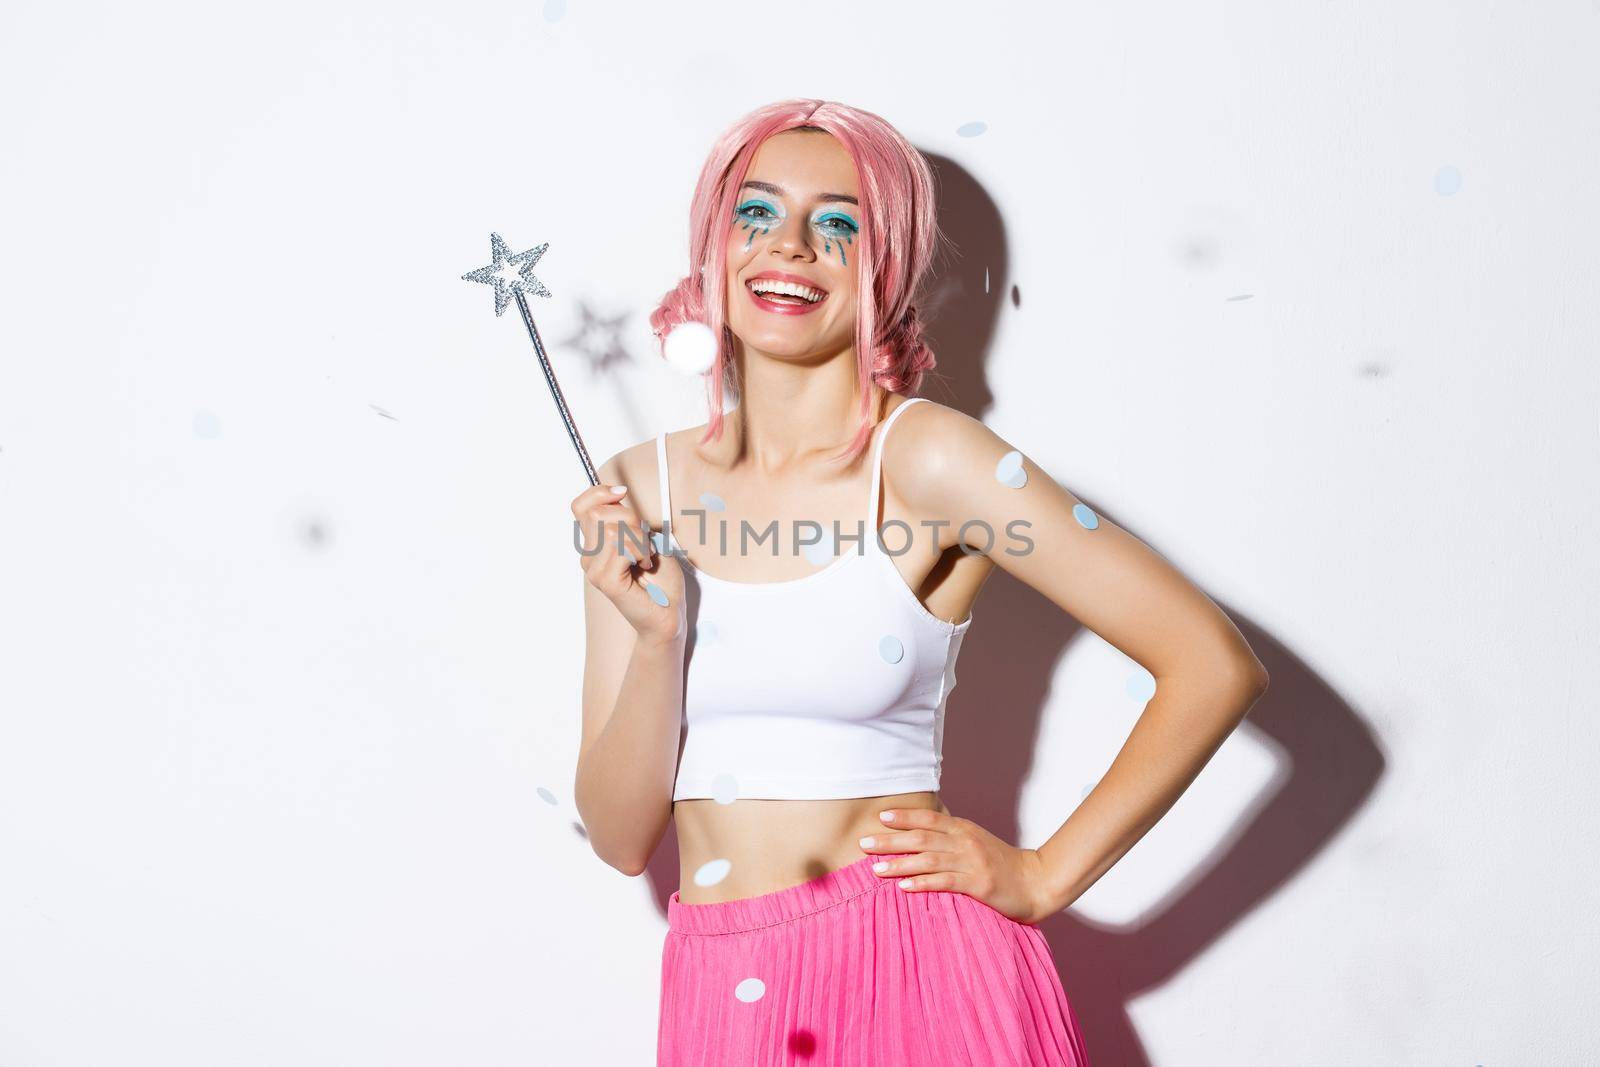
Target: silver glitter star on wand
x: 509, y: 273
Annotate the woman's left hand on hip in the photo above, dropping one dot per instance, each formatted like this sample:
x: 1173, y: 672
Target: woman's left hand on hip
x: 956, y: 854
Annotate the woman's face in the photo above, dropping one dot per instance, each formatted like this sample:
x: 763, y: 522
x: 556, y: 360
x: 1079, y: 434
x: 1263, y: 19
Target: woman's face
x: 797, y: 216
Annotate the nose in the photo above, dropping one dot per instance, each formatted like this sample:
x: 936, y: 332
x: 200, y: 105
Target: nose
x: 792, y: 239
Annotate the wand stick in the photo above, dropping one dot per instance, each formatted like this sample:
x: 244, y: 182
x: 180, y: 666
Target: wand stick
x: 512, y: 275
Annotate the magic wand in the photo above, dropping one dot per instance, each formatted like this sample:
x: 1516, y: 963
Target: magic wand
x: 512, y: 276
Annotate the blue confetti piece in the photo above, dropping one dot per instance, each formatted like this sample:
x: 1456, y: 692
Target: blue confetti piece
x: 971, y: 129
x: 1447, y: 181
x: 823, y: 551
x: 1141, y: 685
x: 712, y: 502
x: 658, y: 594
x: 1085, y: 516
x: 545, y: 795
x: 712, y: 872
x: 1010, y: 472
x: 890, y: 648
x: 206, y: 424
x: 554, y: 9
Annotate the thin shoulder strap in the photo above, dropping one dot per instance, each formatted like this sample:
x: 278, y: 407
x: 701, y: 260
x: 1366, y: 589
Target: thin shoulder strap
x: 666, y: 492
x: 877, y: 471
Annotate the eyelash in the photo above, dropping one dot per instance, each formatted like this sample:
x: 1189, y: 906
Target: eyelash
x: 845, y: 226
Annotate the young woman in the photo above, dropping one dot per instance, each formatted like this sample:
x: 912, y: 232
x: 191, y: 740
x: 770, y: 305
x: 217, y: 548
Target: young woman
x: 832, y: 910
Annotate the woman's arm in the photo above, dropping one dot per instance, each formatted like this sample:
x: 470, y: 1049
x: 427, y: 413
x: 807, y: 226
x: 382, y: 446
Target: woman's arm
x: 632, y: 716
x: 942, y: 465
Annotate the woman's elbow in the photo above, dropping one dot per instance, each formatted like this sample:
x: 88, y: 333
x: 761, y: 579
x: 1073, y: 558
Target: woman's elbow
x: 1256, y: 677
x: 1249, y: 680
x: 1233, y: 677
x: 618, y: 856
x: 1241, y: 670
x: 632, y: 870
x: 627, y: 864
x: 615, y: 851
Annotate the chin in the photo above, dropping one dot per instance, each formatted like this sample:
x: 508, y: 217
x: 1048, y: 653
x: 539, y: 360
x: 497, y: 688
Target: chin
x: 793, y: 338
x: 785, y: 348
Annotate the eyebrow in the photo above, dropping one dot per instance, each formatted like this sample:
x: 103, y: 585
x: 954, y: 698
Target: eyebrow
x: 777, y: 190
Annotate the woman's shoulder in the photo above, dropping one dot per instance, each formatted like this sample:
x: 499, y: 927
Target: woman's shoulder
x: 641, y: 455
x: 637, y: 468
x: 934, y: 444
x: 930, y: 427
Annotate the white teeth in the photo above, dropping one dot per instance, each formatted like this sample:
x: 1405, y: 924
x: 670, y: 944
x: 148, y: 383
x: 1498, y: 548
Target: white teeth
x: 769, y: 285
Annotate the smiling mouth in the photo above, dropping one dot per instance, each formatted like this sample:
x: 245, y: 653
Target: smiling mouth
x: 811, y: 296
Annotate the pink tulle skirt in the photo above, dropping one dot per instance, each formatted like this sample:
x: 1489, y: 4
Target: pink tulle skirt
x: 850, y: 970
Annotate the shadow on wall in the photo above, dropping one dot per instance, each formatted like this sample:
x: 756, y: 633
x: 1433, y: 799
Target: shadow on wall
x: 1331, y: 760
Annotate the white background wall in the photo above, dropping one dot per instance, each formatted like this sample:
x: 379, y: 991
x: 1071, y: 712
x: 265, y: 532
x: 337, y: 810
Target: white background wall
x: 289, y: 615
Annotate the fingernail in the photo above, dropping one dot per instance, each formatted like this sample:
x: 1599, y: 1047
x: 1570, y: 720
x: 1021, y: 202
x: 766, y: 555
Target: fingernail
x: 880, y: 866
x: 619, y: 489
x: 866, y: 842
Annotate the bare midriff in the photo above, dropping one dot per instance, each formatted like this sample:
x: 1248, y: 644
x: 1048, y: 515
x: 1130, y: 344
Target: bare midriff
x: 775, y: 844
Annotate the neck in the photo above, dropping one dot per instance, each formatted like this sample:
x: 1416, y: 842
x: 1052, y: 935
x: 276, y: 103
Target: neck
x: 793, y: 410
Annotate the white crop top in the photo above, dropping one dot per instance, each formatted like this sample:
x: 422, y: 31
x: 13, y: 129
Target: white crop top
x: 826, y: 686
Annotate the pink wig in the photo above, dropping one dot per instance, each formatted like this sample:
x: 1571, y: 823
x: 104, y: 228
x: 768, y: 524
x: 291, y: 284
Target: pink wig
x: 892, y: 254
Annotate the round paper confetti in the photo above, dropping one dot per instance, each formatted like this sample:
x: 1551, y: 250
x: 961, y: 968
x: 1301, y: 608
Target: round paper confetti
x: 705, y: 633
x: 658, y: 594
x: 890, y: 648
x: 690, y: 347
x: 1447, y: 181
x: 1085, y: 516
x: 545, y: 795
x: 724, y: 788
x: 712, y: 502
x: 1010, y: 472
x: 823, y: 551
x: 711, y: 873
x: 750, y: 990
x: 1142, y: 685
